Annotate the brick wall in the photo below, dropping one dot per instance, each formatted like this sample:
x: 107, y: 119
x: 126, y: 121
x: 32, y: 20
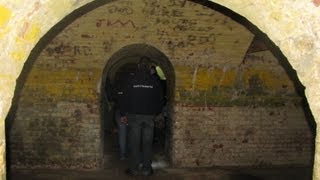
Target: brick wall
x: 240, y: 136
x: 58, y: 117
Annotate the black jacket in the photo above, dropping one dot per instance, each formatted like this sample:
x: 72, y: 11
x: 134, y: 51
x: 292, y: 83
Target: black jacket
x: 120, y: 97
x: 141, y: 94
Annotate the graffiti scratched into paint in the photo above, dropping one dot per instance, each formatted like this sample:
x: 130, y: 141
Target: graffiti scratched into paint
x: 120, y: 10
x: 115, y: 23
x: 82, y: 50
x: 63, y: 49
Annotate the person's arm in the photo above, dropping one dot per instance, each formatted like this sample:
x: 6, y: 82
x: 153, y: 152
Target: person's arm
x: 124, y: 119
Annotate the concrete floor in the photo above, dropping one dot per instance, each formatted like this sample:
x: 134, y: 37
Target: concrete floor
x: 167, y: 173
x: 114, y: 169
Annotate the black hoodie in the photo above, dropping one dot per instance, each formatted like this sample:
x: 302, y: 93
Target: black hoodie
x: 142, y: 93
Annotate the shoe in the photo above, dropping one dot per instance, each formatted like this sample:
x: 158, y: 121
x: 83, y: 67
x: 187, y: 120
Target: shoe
x: 147, y: 171
x: 131, y: 172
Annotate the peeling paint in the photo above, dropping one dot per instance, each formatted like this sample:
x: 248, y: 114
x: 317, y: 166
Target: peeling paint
x: 194, y: 77
x: 4, y: 31
x: 18, y: 55
x: 58, y: 8
x: 37, y: 6
x: 276, y: 16
x: 5, y: 15
x: 33, y: 33
x: 316, y: 3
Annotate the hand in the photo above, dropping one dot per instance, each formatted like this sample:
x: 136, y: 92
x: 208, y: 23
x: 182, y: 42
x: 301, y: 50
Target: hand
x: 124, y: 119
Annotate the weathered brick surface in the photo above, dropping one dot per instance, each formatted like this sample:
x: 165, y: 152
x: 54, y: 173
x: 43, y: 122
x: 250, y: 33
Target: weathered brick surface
x: 66, y: 134
x: 58, y: 122
x: 246, y: 136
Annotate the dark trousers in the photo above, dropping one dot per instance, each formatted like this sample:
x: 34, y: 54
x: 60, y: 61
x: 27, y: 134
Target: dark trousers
x: 122, y: 135
x: 140, y: 139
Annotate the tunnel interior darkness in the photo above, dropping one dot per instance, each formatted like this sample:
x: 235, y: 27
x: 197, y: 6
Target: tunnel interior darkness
x: 125, y: 61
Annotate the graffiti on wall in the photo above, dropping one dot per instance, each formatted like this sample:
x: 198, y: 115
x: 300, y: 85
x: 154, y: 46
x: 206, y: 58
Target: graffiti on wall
x: 124, y: 10
x: 69, y: 50
x: 107, y: 45
x: 82, y: 50
x: 115, y: 23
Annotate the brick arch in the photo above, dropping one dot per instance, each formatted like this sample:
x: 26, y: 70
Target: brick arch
x: 293, y: 26
x: 131, y: 54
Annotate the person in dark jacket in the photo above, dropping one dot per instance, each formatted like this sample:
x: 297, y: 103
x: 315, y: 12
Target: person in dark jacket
x: 144, y: 100
x: 119, y: 113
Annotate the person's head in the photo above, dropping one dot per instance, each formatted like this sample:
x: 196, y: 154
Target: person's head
x: 143, y: 64
x: 153, y: 70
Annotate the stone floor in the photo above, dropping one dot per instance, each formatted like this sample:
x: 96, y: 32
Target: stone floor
x: 166, y: 173
x: 114, y: 169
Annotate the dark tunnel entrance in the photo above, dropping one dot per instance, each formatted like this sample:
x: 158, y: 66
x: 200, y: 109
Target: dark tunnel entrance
x: 125, y: 61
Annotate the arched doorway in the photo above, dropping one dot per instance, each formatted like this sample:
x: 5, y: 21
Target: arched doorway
x: 124, y: 61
